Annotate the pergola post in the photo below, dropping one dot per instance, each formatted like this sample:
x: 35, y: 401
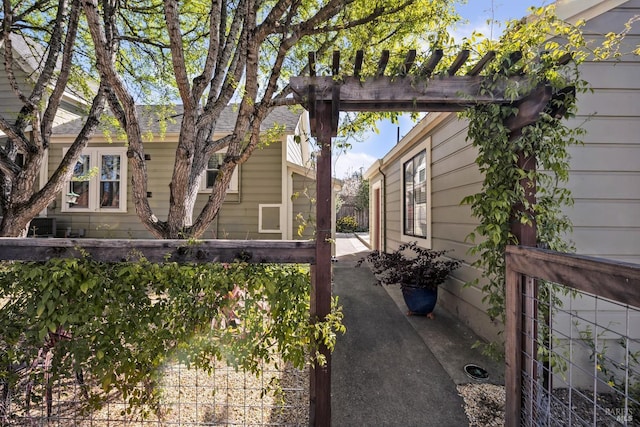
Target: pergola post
x: 320, y: 381
x: 521, y: 325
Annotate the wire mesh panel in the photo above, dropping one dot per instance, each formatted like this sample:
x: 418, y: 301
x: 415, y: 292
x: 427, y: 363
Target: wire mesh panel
x: 223, y: 397
x: 573, y: 340
x: 587, y: 362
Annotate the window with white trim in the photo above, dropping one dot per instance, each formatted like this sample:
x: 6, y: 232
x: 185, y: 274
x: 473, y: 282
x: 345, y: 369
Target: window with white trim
x: 211, y: 172
x: 99, y: 182
x: 416, y: 221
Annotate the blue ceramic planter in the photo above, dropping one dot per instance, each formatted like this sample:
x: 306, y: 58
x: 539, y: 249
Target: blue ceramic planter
x: 420, y: 301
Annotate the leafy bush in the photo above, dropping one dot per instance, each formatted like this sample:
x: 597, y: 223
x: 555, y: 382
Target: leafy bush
x: 347, y: 224
x: 117, y: 325
x: 411, y: 266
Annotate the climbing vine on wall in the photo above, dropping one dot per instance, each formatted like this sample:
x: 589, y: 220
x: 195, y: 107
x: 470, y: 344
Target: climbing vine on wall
x: 549, y: 139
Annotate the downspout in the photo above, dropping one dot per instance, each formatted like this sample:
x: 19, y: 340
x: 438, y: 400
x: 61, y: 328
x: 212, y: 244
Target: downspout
x: 384, y: 209
x: 384, y: 200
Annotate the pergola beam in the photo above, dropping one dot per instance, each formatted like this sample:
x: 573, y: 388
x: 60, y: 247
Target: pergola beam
x: 458, y: 62
x: 441, y: 93
x: 482, y: 63
x: 357, y: 67
x: 408, y: 62
x: 434, y: 59
x: 382, y: 64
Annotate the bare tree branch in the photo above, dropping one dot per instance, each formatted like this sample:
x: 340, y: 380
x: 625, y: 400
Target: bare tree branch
x: 63, y: 76
x: 172, y: 17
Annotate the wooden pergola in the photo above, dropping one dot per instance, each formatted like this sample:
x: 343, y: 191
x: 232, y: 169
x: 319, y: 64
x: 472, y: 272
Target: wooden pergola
x: 412, y: 90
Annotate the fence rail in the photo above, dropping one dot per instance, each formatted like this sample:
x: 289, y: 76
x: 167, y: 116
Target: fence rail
x: 223, y: 397
x: 154, y: 250
x: 571, y: 356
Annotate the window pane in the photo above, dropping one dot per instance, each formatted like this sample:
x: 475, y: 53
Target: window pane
x: 78, y: 196
x: 420, y: 168
x: 415, y: 196
x: 82, y: 167
x: 420, y: 228
x: 212, y: 168
x: 109, y: 181
x: 110, y: 170
x: 408, y: 198
x: 109, y: 194
x: 211, y: 177
x: 215, y: 161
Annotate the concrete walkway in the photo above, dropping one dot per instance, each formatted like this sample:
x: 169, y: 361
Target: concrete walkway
x: 384, y: 372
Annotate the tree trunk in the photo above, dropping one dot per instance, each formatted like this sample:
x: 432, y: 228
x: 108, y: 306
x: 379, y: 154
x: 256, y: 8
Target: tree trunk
x: 14, y: 225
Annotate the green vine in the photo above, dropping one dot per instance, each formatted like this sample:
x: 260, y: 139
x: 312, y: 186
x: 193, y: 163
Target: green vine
x: 616, y: 366
x: 117, y: 325
x: 549, y: 139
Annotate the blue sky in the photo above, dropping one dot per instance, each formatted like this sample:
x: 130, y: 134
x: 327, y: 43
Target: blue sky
x: 477, y: 13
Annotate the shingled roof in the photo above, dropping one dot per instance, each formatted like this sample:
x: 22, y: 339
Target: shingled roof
x: 151, y: 117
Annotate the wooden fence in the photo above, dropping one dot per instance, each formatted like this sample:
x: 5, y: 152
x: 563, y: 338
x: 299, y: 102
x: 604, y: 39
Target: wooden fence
x: 361, y: 216
x: 157, y: 250
x: 185, y: 251
x: 525, y: 369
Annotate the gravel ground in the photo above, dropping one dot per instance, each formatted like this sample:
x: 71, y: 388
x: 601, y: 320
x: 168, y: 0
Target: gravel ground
x: 229, y: 398
x: 190, y: 397
x: 484, y: 404
x: 485, y: 407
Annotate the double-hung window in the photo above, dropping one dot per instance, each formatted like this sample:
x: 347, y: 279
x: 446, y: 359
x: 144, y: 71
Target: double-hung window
x: 415, y: 195
x: 99, y: 182
x: 211, y: 172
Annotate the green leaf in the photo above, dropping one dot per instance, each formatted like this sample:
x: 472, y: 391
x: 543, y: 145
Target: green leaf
x: 42, y: 333
x: 52, y: 326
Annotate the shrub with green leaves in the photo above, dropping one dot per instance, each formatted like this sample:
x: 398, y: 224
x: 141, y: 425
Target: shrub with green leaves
x: 117, y: 324
x: 347, y: 224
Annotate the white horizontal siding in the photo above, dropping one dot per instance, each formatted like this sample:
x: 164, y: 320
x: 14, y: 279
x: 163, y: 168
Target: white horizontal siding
x: 619, y: 157
x: 610, y: 102
x: 605, y: 185
x: 600, y: 129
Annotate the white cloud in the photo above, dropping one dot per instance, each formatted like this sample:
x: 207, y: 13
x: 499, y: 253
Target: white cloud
x: 347, y: 163
x: 481, y: 27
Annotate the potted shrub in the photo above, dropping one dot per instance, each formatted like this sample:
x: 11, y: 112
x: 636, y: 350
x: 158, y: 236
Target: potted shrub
x: 418, y: 271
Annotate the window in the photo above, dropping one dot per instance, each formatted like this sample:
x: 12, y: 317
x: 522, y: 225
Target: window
x: 416, y: 224
x: 99, y: 182
x: 213, y: 166
x: 269, y: 220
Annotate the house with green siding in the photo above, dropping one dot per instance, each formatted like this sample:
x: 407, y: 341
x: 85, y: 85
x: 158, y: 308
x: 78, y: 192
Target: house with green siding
x: 269, y: 196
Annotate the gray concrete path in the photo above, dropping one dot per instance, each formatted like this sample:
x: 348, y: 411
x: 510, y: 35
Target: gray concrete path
x: 383, y: 373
